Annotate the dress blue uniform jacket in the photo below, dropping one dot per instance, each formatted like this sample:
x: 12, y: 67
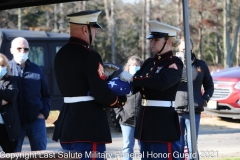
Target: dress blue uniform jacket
x: 158, y: 79
x: 34, y: 97
x: 78, y: 70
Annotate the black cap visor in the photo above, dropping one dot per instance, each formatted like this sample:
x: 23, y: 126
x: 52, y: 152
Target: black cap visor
x: 157, y: 35
x: 92, y: 24
x: 95, y: 24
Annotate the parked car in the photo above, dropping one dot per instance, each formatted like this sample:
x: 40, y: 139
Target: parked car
x: 225, y: 101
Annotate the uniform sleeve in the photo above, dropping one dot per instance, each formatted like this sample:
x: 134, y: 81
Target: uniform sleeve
x: 46, y: 98
x: 166, y: 78
x: 137, y: 74
x: 97, y: 81
x: 207, y: 83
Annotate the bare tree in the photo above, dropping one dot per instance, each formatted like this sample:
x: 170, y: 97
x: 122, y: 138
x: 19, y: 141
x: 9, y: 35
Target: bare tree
x: 219, y: 56
x: 200, y: 30
x: 148, y: 8
x: 143, y: 31
x: 55, y: 18
x: 229, y: 49
x: 179, y: 15
x: 238, y: 50
x: 61, y: 20
x: 47, y: 17
x: 111, y: 27
x: 19, y: 19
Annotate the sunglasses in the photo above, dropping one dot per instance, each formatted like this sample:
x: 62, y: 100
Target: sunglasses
x: 24, y: 49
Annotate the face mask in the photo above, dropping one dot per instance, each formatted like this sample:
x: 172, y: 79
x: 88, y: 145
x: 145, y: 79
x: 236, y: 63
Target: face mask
x: 3, y: 71
x: 133, y: 69
x: 20, y: 57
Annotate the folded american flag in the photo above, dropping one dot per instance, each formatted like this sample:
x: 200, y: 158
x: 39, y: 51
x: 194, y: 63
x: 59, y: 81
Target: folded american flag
x: 119, y: 87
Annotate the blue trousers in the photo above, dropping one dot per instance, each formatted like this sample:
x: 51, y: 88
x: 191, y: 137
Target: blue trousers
x: 184, y: 120
x: 128, y: 141
x: 36, y: 133
x: 86, y: 149
x: 159, y: 151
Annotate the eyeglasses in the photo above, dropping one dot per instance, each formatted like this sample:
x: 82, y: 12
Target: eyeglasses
x: 24, y: 49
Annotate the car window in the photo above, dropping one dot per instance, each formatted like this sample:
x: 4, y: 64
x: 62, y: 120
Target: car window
x: 36, y: 55
x: 58, y: 48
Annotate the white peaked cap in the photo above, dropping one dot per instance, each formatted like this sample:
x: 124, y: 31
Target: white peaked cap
x: 88, y: 17
x: 165, y: 30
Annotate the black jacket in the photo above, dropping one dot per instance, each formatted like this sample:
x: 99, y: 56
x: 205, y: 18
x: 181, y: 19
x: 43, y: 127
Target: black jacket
x: 9, y: 112
x: 128, y: 114
x: 201, y: 77
x: 34, y: 97
x: 158, y: 79
x: 79, y: 71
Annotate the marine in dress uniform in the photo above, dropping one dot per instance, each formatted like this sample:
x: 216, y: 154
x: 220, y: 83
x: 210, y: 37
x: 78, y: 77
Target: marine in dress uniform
x: 158, y: 79
x: 82, y: 124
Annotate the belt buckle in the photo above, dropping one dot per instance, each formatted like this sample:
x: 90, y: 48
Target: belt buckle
x: 144, y: 102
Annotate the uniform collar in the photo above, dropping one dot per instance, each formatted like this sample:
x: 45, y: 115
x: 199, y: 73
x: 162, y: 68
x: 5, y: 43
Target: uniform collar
x: 78, y: 41
x: 163, y: 56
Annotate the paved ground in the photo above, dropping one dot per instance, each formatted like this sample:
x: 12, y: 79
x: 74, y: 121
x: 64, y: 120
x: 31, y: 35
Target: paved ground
x: 217, y: 137
x: 220, y: 136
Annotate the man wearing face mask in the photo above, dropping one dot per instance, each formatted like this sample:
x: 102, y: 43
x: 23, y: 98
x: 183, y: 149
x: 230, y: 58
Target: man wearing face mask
x: 128, y: 114
x: 33, y: 98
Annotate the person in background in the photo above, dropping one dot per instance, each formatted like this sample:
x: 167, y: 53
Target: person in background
x: 201, y: 77
x: 82, y: 124
x: 157, y: 126
x: 33, y: 98
x: 128, y: 114
x: 10, y: 127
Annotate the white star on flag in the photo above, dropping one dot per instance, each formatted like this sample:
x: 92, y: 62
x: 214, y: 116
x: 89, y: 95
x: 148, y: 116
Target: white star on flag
x: 112, y: 83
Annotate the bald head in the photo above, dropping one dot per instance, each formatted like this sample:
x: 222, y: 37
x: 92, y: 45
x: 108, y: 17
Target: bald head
x: 19, y: 41
x: 20, y: 49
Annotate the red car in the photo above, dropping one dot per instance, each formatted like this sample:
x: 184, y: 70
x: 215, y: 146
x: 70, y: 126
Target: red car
x: 225, y: 101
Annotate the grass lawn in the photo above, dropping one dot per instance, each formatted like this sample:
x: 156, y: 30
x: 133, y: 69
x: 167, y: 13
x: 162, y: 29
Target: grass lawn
x: 52, y: 117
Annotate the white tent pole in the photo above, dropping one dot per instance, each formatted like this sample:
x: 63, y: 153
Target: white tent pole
x: 189, y: 79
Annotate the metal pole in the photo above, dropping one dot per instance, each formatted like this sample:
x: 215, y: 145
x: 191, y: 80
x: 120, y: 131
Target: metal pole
x: 189, y: 80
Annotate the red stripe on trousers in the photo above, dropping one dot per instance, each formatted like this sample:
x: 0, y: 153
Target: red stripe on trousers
x: 169, y: 150
x: 94, y: 151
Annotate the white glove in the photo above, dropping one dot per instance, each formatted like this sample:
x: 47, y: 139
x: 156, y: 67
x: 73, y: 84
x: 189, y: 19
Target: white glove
x: 4, y: 102
x: 125, y: 76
